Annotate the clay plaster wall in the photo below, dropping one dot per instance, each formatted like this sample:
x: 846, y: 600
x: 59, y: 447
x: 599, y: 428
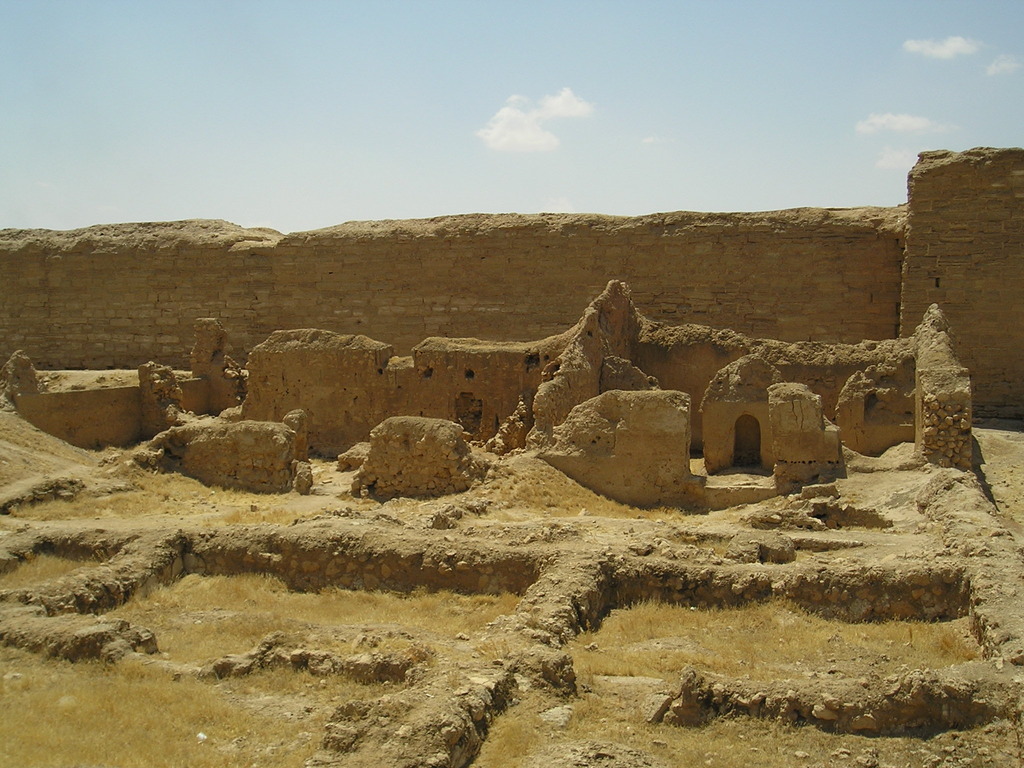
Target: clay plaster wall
x: 120, y: 295
x: 349, y: 384
x: 965, y: 252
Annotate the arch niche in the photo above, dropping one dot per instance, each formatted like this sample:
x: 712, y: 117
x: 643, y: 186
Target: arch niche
x: 747, y: 442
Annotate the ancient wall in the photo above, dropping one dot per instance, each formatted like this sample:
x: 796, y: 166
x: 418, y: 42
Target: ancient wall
x: 965, y: 252
x: 120, y: 295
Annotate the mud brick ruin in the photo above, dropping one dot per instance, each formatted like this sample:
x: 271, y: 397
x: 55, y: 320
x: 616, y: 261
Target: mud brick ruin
x: 686, y: 361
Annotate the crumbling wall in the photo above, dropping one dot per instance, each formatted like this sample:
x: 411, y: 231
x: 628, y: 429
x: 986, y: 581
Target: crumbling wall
x: 255, y: 456
x: 876, y: 407
x: 338, y: 380
x: 688, y: 357
x: 209, y: 360
x: 349, y: 384
x: 478, y: 384
x: 159, y: 398
x: 633, y: 447
x: 965, y: 252
x: 609, y: 328
x: 17, y: 377
x: 120, y: 295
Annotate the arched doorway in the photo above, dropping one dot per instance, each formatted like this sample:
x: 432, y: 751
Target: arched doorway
x: 747, y: 446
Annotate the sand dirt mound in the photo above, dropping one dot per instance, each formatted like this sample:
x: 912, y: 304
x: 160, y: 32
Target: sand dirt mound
x: 35, y: 465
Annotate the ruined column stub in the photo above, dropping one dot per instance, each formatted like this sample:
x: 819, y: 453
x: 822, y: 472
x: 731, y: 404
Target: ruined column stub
x: 160, y: 398
x: 942, y: 402
x: 207, y: 356
x: 17, y: 377
x: 805, y: 443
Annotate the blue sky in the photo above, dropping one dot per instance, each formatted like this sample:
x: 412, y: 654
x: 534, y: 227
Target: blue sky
x: 303, y: 114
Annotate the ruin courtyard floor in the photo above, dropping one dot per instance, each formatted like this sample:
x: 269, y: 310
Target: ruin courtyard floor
x: 147, y: 619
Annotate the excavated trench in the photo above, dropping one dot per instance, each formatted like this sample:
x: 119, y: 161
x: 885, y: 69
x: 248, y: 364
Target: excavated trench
x: 447, y: 699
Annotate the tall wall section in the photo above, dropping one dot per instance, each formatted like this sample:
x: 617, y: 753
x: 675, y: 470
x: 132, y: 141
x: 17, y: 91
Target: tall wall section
x: 119, y: 295
x: 965, y: 252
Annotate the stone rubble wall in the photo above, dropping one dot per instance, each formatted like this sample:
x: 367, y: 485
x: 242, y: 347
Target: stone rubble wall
x: 965, y: 252
x: 942, y: 396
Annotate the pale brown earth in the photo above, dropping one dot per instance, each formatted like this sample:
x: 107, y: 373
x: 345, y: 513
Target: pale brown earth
x: 126, y: 616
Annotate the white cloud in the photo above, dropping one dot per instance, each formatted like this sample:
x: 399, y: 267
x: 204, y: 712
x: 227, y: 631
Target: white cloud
x: 942, y: 49
x: 900, y: 123
x: 896, y: 159
x: 559, y: 205
x: 652, y: 140
x: 1003, y: 65
x: 518, y: 128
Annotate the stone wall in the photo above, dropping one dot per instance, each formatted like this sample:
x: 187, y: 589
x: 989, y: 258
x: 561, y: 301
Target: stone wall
x: 120, y: 295
x: 965, y: 252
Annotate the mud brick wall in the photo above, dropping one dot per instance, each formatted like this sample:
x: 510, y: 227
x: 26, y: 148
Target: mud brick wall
x: 965, y: 252
x: 120, y: 295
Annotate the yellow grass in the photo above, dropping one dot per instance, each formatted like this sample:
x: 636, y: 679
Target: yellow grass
x: 765, y: 641
x: 201, y: 618
x: 54, y: 713
x: 40, y: 568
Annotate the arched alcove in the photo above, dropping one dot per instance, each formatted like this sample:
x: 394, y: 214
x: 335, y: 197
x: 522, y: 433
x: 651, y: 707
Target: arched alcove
x: 747, y: 446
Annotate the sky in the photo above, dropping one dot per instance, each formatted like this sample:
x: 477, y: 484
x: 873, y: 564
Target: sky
x: 302, y: 114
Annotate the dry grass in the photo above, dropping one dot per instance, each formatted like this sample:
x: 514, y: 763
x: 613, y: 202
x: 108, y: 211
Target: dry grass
x: 765, y: 641
x: 723, y: 743
x: 59, y: 714
x: 40, y: 568
x: 200, y: 618
x: 135, y: 713
x: 174, y: 495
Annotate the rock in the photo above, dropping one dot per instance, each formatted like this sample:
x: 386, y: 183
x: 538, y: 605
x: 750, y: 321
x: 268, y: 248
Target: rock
x: 761, y: 547
x: 353, y: 458
x: 557, y: 716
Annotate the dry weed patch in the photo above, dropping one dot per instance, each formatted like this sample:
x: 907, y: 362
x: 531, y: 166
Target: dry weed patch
x: 54, y: 713
x: 40, y: 568
x: 771, y: 640
x: 203, y: 617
